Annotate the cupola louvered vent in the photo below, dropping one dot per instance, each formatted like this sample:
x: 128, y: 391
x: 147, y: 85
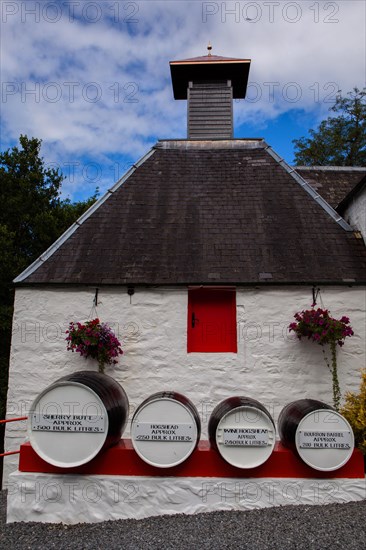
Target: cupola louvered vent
x: 210, y: 83
x: 210, y: 110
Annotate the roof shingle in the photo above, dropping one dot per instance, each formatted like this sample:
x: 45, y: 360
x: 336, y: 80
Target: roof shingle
x: 201, y: 212
x: 332, y: 182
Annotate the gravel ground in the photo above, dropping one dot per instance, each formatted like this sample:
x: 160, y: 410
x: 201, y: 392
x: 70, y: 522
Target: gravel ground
x: 283, y: 528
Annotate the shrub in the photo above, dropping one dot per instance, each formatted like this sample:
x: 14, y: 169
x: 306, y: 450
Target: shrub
x: 354, y: 411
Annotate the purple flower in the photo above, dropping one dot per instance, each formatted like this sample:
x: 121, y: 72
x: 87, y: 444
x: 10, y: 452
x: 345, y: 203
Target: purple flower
x: 345, y: 319
x: 319, y: 326
x: 94, y: 339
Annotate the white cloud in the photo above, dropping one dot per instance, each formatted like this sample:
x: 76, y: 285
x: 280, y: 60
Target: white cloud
x: 102, y: 89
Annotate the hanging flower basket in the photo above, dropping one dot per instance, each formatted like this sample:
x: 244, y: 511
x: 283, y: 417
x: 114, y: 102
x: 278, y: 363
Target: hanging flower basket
x: 96, y: 340
x: 318, y: 325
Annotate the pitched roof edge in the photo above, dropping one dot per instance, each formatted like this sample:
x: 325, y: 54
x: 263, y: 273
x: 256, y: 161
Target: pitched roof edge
x: 330, y: 168
x: 307, y: 187
x: 63, y: 238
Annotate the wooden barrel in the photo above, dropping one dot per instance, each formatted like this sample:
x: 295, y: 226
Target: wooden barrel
x: 320, y: 436
x: 165, y: 429
x: 77, y: 417
x: 242, y: 431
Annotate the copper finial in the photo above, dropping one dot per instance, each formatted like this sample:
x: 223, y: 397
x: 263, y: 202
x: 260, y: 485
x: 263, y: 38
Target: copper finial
x: 209, y: 47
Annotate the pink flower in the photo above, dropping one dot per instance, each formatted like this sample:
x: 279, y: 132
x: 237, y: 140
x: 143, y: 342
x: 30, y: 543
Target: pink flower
x: 345, y: 319
x: 310, y: 322
x: 94, y: 340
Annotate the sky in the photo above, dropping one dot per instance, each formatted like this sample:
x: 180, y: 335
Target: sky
x: 92, y: 78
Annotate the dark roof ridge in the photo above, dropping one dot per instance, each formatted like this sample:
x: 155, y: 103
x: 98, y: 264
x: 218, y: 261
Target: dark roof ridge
x: 242, y: 143
x: 331, y: 168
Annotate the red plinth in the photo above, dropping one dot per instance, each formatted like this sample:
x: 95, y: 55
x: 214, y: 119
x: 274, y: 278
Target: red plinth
x: 204, y: 462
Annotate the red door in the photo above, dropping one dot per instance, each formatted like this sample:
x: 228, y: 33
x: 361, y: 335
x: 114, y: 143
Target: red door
x: 211, y: 320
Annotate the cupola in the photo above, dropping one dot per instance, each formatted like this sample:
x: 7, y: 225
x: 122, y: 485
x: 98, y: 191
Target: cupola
x: 210, y: 83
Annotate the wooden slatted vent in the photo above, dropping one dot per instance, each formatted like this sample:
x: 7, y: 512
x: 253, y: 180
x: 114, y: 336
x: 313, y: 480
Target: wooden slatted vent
x: 210, y: 110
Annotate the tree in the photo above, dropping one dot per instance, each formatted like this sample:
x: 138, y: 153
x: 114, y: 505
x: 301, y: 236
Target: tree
x: 32, y: 217
x: 339, y: 140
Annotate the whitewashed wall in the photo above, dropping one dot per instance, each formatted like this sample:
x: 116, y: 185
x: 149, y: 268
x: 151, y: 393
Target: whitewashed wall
x: 271, y: 365
x: 356, y: 213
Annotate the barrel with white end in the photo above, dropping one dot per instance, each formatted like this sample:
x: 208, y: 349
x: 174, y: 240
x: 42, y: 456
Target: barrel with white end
x: 77, y: 417
x: 242, y: 431
x: 165, y: 429
x: 321, y: 436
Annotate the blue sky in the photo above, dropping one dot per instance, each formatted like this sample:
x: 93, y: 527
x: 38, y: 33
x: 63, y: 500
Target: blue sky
x: 92, y: 79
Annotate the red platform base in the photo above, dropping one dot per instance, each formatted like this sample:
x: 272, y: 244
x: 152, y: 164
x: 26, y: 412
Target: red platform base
x: 122, y: 460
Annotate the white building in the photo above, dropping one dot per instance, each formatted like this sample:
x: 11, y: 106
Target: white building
x: 201, y: 254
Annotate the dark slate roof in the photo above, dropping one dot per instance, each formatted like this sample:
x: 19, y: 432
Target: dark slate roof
x: 332, y: 182
x: 342, y: 206
x: 209, y: 212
